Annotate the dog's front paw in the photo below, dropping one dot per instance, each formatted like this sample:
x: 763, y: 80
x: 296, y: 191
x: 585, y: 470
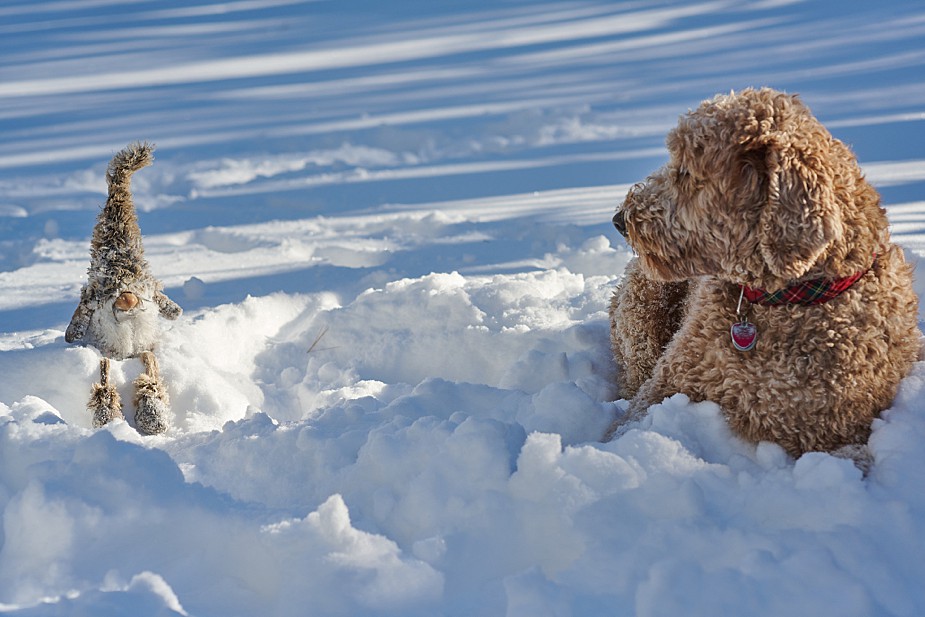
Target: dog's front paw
x: 859, y: 454
x: 624, y: 421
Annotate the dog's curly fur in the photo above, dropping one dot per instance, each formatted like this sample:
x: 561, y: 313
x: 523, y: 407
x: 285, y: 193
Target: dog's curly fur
x: 757, y: 192
x: 120, y: 304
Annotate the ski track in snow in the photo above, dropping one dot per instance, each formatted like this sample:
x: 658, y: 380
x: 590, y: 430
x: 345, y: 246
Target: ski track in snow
x: 388, y: 225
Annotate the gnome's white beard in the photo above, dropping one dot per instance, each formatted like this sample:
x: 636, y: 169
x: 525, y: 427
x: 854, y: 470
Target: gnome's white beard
x: 125, y: 334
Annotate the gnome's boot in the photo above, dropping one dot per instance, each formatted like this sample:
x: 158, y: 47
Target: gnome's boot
x: 104, y: 404
x: 151, y: 405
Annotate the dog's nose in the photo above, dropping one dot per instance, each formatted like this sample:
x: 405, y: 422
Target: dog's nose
x: 619, y: 221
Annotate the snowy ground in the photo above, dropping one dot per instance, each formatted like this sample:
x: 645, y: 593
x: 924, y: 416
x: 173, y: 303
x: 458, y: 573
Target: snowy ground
x: 427, y: 187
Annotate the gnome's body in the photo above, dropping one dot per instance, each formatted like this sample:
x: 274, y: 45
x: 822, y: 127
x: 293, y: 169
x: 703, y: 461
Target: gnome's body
x: 121, y: 303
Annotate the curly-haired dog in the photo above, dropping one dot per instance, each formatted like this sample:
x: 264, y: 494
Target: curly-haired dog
x: 765, y: 279
x: 120, y: 304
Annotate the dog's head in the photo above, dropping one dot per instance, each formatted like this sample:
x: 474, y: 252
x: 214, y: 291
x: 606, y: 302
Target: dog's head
x: 756, y: 191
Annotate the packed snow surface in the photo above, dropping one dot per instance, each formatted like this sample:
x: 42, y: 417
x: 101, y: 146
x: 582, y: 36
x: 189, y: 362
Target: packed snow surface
x: 388, y: 225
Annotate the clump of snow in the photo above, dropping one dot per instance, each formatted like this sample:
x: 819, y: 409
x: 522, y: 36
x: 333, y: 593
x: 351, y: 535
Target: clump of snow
x: 194, y: 288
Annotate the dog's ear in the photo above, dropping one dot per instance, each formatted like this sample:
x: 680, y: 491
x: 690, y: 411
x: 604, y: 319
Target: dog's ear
x: 801, y: 217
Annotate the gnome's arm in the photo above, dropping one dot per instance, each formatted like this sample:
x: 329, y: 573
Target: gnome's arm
x: 81, y: 318
x: 168, y: 308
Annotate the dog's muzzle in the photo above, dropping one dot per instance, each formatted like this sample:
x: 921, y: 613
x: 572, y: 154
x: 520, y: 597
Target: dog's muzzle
x: 619, y: 221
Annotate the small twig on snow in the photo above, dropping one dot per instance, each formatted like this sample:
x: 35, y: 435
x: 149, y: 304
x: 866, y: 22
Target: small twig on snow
x: 314, y: 344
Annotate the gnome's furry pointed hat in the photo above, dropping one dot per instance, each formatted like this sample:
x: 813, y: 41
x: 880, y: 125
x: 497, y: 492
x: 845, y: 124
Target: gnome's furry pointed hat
x: 116, y: 252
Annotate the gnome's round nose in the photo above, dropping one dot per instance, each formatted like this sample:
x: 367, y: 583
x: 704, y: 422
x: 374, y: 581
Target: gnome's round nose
x: 126, y: 301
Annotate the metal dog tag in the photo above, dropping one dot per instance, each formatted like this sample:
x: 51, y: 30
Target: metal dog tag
x: 744, y: 335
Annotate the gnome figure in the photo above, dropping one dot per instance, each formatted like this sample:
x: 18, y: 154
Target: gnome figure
x: 120, y: 304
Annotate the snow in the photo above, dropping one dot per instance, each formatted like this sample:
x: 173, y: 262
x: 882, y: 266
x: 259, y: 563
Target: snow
x: 389, y: 227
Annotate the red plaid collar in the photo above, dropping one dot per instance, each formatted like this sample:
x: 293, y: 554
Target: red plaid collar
x: 816, y: 291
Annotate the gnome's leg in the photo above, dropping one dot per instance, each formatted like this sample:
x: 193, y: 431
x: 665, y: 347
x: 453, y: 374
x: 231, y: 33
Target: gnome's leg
x: 151, y: 404
x: 104, y: 404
